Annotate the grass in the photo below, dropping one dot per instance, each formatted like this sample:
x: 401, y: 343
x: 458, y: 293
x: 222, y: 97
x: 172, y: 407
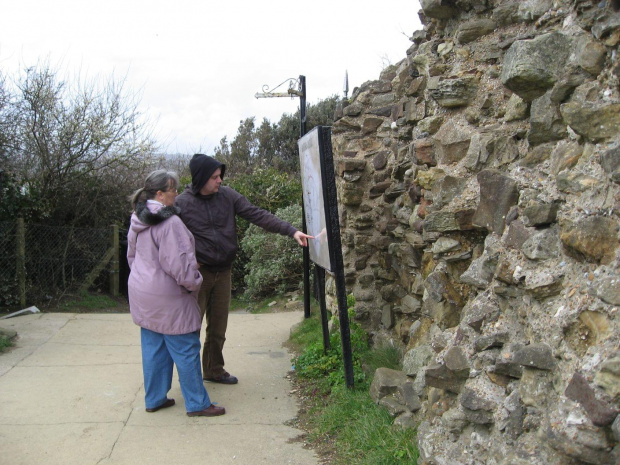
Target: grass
x: 5, y: 343
x: 345, y: 425
x: 87, y: 302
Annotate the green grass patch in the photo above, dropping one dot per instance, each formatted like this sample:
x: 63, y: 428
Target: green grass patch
x: 5, y: 342
x: 86, y: 301
x: 345, y: 423
x: 363, y: 433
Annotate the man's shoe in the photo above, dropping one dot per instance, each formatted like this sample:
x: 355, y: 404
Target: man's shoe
x: 224, y: 378
x: 211, y: 411
x: 168, y: 403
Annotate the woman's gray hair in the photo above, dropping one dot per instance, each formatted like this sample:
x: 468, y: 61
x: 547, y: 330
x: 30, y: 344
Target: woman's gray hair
x: 158, y: 180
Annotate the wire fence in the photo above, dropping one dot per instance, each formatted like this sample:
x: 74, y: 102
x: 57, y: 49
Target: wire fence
x: 41, y: 263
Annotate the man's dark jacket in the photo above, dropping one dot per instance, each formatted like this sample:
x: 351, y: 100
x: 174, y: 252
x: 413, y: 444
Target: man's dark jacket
x: 211, y: 219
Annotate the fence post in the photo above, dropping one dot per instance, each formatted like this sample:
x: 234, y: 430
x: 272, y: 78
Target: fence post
x: 114, y: 265
x: 20, y: 263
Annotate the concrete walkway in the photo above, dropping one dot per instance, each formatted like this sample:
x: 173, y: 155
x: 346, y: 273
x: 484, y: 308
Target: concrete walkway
x: 71, y: 392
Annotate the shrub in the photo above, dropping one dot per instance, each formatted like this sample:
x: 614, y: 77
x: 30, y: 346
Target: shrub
x: 275, y: 262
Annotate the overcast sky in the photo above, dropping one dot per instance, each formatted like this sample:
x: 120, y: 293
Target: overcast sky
x: 197, y: 64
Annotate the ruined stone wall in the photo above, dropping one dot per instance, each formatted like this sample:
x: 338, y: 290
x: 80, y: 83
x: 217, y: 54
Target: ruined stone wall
x: 478, y: 182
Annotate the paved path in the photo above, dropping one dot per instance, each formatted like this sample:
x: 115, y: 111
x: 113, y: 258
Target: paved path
x: 71, y: 392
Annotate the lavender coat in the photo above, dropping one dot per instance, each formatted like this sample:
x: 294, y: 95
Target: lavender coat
x: 164, y: 279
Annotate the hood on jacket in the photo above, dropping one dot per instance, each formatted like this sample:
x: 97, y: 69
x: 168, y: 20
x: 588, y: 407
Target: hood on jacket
x: 202, y: 167
x: 146, y: 216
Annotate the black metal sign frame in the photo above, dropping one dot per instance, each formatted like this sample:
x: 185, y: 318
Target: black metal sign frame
x: 321, y: 136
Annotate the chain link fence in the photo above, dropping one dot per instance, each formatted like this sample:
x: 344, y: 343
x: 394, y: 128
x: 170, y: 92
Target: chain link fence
x: 41, y: 263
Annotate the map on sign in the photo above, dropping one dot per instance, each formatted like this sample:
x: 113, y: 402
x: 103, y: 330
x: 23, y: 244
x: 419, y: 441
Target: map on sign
x: 313, y: 196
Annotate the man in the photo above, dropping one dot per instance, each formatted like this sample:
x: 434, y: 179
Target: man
x: 208, y: 209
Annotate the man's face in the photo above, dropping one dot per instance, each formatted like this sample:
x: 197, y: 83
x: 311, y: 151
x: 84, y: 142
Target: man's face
x: 213, y: 184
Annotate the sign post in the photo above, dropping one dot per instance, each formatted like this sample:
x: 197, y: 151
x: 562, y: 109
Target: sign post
x: 300, y: 92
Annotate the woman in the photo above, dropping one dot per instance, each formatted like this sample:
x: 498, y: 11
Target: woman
x: 163, y: 285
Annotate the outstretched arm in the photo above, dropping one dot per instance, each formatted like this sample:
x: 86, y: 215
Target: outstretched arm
x: 302, y: 239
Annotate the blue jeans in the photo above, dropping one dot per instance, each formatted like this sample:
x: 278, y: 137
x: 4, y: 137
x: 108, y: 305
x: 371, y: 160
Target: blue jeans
x: 159, y: 353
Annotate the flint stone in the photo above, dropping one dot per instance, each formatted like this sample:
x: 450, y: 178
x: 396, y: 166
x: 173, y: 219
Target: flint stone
x: 444, y: 221
x: 362, y: 221
x: 490, y: 341
x: 542, y: 245
x: 540, y: 214
x: 410, y: 305
x: 544, y: 284
x: 546, y: 123
x: 416, y: 359
x: 537, y: 155
x: 481, y: 270
x: 593, y: 238
x: 505, y: 364
x: 599, y: 412
x: 430, y: 124
x: 355, y: 109
x: 439, y: 9
x: 349, y: 164
x: 415, y: 111
x: 454, y: 421
x: 380, y: 160
x: 607, y: 289
x: 393, y: 405
x: 352, y: 194
x: 445, y: 245
x: 345, y: 124
x: 535, y: 387
x: 517, y: 235
x: 476, y: 408
x: 584, y: 443
x: 608, y: 377
x: 498, y: 193
x: 490, y: 151
x: 480, y: 312
x: 456, y: 361
x: 394, y: 390
x: 386, y: 382
x: 593, y: 120
x: 610, y: 161
x: 516, y: 109
x: 513, y: 425
x: 535, y: 356
x: 531, y: 67
x: 406, y: 421
x: 590, y: 54
x: 422, y: 152
x: 440, y: 377
x: 371, y: 124
x: 378, y: 189
x: 453, y: 93
x: 446, y: 189
x: 472, y: 30
x: 576, y: 182
x: 452, y: 143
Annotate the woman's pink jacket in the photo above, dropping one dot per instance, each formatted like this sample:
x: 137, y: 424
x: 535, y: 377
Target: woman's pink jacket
x: 164, y: 278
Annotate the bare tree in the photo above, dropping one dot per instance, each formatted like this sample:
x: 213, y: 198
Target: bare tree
x: 70, y: 142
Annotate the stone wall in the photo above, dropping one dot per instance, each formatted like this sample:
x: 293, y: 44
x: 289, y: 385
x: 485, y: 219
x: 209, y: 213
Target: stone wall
x: 479, y: 194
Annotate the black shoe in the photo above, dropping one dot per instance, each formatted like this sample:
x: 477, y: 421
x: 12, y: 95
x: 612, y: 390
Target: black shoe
x: 166, y: 404
x: 224, y: 378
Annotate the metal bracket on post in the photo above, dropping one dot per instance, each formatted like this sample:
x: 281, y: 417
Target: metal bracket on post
x: 291, y: 92
x: 296, y: 88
